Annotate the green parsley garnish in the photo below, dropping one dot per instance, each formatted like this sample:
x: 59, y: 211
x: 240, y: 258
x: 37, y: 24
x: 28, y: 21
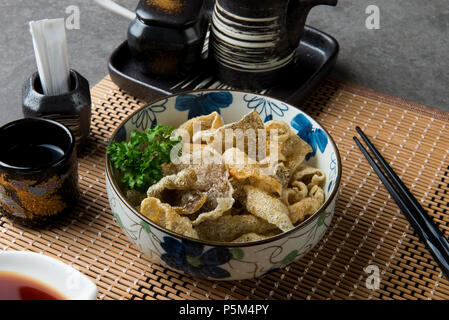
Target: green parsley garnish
x: 140, y: 159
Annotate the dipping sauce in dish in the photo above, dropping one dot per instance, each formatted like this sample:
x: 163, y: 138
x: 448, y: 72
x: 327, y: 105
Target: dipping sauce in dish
x: 16, y: 286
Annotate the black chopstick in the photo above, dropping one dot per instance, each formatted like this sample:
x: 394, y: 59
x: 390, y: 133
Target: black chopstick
x: 421, y: 222
x: 408, y: 195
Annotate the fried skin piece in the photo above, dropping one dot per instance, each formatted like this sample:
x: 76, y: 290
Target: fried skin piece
x: 308, y: 206
x: 228, y: 227
x: 166, y: 217
x: 267, y: 207
x: 309, y: 176
x: 248, y: 237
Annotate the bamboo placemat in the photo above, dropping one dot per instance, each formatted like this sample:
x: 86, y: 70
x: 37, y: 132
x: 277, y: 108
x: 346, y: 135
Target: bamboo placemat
x: 368, y: 229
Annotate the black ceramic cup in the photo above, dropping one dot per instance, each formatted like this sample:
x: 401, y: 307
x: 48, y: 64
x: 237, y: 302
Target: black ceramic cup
x: 72, y: 109
x: 38, y: 171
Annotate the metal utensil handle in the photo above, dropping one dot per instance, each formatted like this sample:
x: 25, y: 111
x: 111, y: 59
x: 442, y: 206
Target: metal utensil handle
x: 116, y: 8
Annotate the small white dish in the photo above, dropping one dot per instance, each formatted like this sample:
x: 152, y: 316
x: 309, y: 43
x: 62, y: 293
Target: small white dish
x: 68, y: 281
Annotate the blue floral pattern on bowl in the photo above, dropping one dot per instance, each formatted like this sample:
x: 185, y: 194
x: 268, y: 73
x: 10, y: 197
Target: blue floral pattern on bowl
x: 265, y: 107
x: 315, y: 137
x: 146, y: 118
x: 121, y: 134
x: 333, y: 171
x: 203, y: 104
x: 192, y: 259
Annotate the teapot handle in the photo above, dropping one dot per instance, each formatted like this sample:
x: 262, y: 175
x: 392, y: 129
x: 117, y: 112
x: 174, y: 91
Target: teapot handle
x: 297, y: 11
x: 116, y: 8
x: 313, y: 3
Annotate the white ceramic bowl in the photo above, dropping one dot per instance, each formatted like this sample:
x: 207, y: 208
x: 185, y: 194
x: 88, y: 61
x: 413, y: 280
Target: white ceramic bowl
x: 65, y: 279
x: 231, y: 260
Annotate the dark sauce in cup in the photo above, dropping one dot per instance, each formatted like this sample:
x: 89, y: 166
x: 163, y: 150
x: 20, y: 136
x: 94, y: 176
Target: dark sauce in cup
x: 27, y: 155
x: 15, y: 286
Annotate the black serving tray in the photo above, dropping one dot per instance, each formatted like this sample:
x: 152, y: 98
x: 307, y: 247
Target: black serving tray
x: 315, y: 57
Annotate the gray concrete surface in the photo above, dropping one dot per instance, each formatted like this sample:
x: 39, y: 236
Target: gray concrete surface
x: 407, y: 57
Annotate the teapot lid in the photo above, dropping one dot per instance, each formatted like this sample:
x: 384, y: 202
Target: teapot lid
x: 172, y: 13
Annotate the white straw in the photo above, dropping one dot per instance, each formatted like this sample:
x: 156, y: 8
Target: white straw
x: 50, y: 49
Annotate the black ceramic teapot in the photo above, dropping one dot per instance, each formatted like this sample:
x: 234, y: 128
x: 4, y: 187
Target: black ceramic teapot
x: 167, y: 36
x: 253, y: 42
